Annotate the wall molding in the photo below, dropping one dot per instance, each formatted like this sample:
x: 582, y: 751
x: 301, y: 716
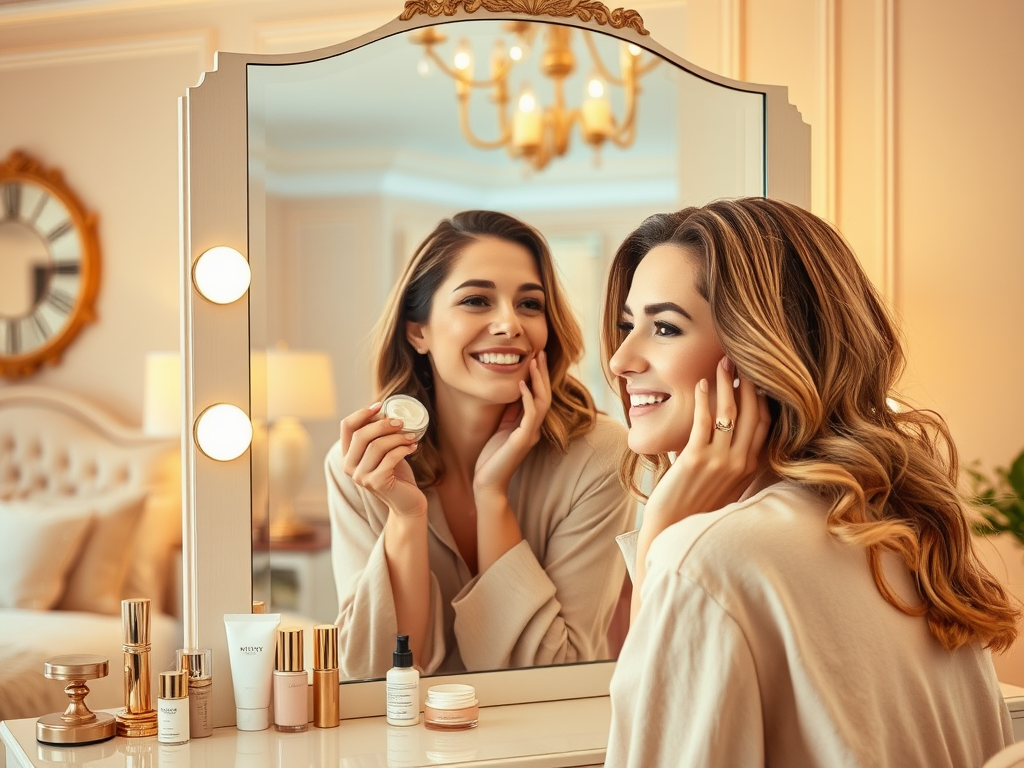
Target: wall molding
x: 198, y: 41
x: 885, y: 141
x: 318, y: 32
x: 827, y: 173
x: 731, y: 41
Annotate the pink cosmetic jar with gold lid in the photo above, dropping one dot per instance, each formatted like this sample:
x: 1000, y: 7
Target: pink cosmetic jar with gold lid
x: 451, y: 708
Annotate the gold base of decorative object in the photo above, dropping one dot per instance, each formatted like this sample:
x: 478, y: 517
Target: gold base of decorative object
x: 77, y: 724
x: 53, y: 730
x: 135, y: 725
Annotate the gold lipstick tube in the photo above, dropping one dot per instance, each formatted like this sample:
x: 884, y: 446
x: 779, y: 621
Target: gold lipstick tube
x: 325, y: 676
x: 138, y: 718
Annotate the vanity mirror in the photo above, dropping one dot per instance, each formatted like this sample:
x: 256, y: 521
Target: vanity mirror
x: 325, y: 169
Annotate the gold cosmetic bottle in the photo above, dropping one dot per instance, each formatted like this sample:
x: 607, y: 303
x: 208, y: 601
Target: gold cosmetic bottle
x: 325, y: 676
x: 138, y: 718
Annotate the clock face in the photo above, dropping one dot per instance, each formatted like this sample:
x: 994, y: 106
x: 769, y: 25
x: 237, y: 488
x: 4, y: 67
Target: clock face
x: 49, y: 265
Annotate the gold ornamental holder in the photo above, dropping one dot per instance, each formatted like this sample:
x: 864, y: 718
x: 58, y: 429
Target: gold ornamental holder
x: 77, y: 724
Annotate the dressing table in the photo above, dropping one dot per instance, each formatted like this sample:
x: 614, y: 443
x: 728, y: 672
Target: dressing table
x: 551, y: 734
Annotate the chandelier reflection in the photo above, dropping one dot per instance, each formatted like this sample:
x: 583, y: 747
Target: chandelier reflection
x: 537, y: 134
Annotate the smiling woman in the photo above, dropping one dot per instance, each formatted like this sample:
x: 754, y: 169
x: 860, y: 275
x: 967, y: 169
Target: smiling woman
x: 490, y: 541
x: 325, y: 168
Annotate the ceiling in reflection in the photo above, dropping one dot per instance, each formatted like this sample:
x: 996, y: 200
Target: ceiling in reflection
x: 368, y: 122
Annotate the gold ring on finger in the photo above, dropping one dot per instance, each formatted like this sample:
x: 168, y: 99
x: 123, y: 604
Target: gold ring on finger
x: 724, y: 426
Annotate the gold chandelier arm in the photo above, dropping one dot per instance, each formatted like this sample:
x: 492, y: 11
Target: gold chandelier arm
x: 598, y: 64
x: 626, y: 134
x: 456, y: 75
x: 647, y: 66
x: 467, y: 130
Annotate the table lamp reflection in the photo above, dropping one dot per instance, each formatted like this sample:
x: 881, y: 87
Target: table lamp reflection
x: 300, y: 386
x: 161, y: 402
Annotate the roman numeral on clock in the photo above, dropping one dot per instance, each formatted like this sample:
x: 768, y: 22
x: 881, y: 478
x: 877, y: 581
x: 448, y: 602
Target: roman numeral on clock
x: 12, y: 200
x: 60, y: 300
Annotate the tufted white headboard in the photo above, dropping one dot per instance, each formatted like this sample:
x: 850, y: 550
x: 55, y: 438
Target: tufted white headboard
x: 56, y: 447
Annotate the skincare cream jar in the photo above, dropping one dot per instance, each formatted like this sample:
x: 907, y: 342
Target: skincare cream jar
x: 451, y: 708
x: 410, y: 411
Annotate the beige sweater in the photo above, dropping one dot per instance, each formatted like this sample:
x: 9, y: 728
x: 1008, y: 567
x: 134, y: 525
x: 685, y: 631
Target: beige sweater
x: 762, y: 640
x: 548, y: 600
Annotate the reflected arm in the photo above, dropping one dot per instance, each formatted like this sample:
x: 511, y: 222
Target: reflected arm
x: 549, y: 599
x: 368, y: 617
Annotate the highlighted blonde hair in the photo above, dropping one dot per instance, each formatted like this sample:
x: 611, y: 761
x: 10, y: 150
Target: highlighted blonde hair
x: 796, y: 313
x: 399, y: 368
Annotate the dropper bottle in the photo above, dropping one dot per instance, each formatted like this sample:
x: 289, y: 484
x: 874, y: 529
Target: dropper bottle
x: 403, y: 686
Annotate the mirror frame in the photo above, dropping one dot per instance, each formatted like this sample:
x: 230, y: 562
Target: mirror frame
x: 217, y: 496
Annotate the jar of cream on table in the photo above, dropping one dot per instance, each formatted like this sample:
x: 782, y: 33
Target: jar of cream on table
x: 451, y: 708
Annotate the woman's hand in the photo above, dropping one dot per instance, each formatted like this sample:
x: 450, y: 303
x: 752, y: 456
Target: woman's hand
x: 714, y: 469
x: 716, y: 465
x: 374, y: 452
x: 517, y: 433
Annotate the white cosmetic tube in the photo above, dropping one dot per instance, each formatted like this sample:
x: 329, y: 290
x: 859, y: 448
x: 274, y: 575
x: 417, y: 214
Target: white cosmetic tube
x: 251, y: 651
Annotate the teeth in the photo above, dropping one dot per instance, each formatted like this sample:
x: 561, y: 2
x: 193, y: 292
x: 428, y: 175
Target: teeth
x: 645, y: 399
x: 492, y: 358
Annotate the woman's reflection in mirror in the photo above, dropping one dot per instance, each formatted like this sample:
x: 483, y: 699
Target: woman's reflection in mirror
x: 490, y: 541
x: 805, y: 588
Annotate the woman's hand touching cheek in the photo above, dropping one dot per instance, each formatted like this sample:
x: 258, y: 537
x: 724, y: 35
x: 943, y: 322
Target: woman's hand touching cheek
x: 517, y: 433
x: 721, y: 458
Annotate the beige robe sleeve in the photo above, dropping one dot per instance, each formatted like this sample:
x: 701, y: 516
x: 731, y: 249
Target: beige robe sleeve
x: 554, y: 607
x: 367, y: 624
x: 684, y: 697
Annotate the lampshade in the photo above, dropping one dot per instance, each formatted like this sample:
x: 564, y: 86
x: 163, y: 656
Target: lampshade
x: 161, y: 408
x: 299, y: 385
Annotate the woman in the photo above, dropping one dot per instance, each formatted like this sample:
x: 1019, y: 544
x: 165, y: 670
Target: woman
x: 490, y: 542
x: 805, y: 589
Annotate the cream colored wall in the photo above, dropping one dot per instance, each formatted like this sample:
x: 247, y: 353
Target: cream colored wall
x: 915, y: 155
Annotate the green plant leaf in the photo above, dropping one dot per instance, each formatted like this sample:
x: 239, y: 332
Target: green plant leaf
x: 1015, y: 476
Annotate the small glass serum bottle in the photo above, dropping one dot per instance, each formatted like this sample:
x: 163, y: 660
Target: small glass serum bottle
x: 403, y: 686
x: 291, y: 684
x: 197, y: 663
x: 172, y: 708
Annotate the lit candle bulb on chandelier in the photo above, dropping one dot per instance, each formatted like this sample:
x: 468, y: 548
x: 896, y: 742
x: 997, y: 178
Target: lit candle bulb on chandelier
x: 526, y: 125
x: 596, y: 112
x: 463, y: 61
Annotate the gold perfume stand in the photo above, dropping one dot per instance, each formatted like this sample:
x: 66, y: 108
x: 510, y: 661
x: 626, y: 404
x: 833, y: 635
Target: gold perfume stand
x: 78, y: 724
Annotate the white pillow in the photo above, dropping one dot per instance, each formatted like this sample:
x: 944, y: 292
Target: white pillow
x: 95, y: 581
x: 36, y: 551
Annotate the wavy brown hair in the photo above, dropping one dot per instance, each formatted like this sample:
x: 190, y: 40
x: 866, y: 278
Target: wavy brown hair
x: 796, y: 313
x: 400, y: 369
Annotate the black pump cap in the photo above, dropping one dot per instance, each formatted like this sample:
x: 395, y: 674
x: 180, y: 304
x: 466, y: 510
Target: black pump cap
x: 402, y: 657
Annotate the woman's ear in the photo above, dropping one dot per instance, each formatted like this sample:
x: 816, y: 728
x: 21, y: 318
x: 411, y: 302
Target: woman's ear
x: 416, y: 336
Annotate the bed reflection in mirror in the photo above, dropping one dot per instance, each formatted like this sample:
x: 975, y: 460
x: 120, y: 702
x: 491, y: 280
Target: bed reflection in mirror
x: 353, y: 159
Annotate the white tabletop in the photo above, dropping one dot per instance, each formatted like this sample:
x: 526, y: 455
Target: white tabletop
x: 552, y: 734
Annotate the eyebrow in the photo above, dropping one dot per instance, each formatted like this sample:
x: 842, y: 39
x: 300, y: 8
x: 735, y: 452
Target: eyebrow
x: 663, y: 306
x: 490, y: 285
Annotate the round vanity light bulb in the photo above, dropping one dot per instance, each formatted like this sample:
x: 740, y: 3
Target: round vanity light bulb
x: 223, y: 432
x: 221, y: 275
x: 595, y: 88
x: 515, y: 53
x: 634, y: 50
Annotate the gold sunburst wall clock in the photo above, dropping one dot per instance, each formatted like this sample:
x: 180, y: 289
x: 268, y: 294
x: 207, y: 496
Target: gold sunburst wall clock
x: 49, y: 266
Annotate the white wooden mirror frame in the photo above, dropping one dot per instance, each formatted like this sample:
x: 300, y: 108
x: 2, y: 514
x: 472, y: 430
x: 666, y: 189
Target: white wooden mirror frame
x: 217, y: 541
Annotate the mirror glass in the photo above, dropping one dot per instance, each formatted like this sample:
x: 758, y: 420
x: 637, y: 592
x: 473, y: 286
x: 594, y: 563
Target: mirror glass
x: 354, y: 158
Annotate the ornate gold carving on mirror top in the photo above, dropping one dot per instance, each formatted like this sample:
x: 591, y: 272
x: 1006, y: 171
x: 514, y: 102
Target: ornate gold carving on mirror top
x: 585, y: 10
